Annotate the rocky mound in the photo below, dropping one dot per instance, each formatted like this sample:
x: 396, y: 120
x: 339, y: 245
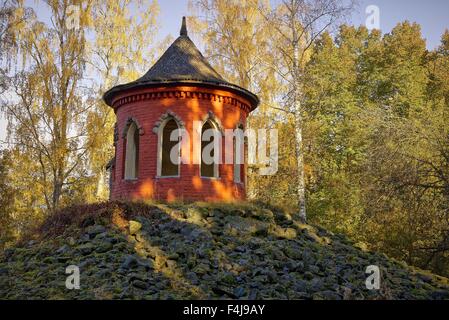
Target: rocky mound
x: 198, y: 251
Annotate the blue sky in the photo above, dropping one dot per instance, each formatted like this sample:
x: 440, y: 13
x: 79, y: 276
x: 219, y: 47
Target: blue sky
x: 432, y: 15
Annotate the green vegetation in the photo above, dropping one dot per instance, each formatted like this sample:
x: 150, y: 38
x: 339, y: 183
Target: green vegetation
x: 376, y: 140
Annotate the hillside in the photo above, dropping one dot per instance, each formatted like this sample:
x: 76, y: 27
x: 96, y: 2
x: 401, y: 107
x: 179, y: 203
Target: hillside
x: 216, y: 251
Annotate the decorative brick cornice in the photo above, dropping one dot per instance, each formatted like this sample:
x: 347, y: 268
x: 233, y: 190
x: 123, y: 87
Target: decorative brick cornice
x: 179, y: 94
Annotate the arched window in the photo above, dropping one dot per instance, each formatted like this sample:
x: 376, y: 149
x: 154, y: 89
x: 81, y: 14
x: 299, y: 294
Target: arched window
x: 170, y: 148
x: 210, y: 150
x: 132, y: 152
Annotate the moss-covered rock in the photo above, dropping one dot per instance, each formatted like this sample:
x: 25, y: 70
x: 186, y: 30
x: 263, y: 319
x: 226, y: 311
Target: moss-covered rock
x: 201, y: 251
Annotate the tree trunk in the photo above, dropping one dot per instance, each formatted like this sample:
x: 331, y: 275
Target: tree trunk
x: 301, y: 188
x: 57, y: 190
x: 300, y: 162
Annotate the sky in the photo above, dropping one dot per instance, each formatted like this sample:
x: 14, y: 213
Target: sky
x: 432, y: 15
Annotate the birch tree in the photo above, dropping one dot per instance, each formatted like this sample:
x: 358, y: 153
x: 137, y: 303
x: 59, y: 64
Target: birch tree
x: 234, y: 34
x: 296, y: 24
x: 236, y: 41
x: 122, y: 49
x: 54, y: 107
x: 46, y: 109
x: 12, y: 19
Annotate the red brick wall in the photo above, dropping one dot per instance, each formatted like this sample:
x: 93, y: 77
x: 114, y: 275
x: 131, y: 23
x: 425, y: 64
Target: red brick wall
x: 189, y: 104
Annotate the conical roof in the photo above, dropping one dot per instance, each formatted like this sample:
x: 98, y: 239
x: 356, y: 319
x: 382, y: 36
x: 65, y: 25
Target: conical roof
x: 182, y: 63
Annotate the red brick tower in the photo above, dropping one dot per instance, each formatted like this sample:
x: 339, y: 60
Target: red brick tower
x: 178, y: 90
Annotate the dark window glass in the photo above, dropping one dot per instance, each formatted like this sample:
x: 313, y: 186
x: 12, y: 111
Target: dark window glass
x: 207, y: 170
x: 168, y: 167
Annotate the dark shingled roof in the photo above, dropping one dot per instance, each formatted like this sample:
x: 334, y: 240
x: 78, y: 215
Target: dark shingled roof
x: 182, y: 63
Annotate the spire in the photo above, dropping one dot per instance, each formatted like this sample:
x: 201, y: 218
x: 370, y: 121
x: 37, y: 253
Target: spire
x: 181, y: 63
x: 183, y: 27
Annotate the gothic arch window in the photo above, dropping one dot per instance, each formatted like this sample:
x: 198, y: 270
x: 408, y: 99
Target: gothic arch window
x: 169, y: 149
x: 131, y: 165
x: 210, y: 149
x: 169, y: 144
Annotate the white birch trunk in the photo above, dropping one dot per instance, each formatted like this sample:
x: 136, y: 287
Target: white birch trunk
x: 301, y: 190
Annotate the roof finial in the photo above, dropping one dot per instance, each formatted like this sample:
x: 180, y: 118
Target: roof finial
x: 183, y: 27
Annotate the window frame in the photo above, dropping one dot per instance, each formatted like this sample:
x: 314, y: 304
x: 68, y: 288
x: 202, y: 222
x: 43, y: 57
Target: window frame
x: 131, y: 124
x: 160, y: 135
x: 215, y: 126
